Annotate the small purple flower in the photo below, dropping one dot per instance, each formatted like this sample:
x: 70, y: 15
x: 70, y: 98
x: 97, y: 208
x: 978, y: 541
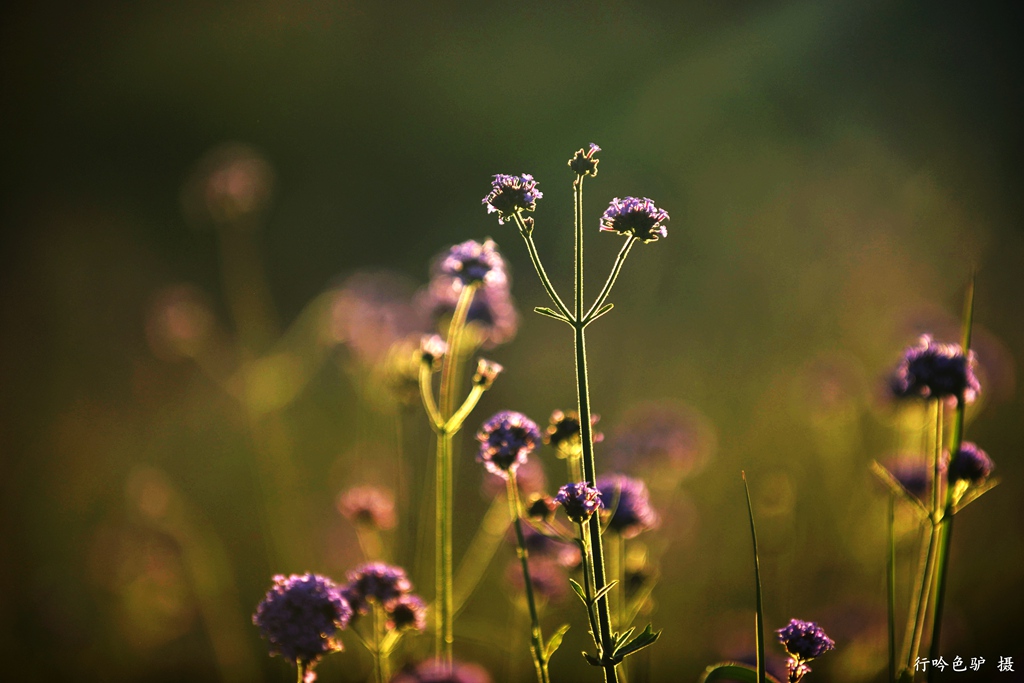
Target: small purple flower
x: 632, y: 514
x: 505, y: 442
x: 300, y: 615
x: 511, y: 194
x: 930, y: 369
x: 375, y: 581
x: 406, y: 612
x: 431, y: 671
x: 636, y: 217
x: 486, y: 372
x: 472, y: 262
x: 579, y: 501
x: 970, y: 464
x: 563, y: 432
x: 584, y: 163
x: 369, y: 505
x: 803, y: 640
x: 492, y: 313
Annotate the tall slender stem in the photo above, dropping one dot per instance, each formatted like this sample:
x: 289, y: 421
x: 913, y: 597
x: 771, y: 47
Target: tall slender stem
x: 588, y: 581
x: 527, y: 234
x: 612, y: 277
x: 890, y: 581
x: 536, y: 637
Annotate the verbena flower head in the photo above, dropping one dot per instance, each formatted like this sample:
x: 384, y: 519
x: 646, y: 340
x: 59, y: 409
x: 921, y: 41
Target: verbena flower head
x: 492, y: 313
x: 473, y: 262
x: 970, y: 464
x: 563, y: 432
x: 635, y: 216
x: 632, y: 514
x: 931, y: 369
x: 407, y: 612
x: 433, y: 349
x: 431, y: 671
x: 541, y: 507
x: 486, y: 372
x: 375, y: 581
x: 505, y: 442
x: 511, y: 194
x: 803, y: 640
x: 300, y: 615
x: 369, y: 505
x: 584, y: 163
x: 579, y: 501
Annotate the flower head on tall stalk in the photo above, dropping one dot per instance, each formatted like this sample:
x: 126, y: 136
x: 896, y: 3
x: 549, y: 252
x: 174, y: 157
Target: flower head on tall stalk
x: 505, y: 442
x: 584, y: 163
x: 492, y: 318
x: 563, y: 432
x: 368, y: 505
x: 473, y: 262
x: 635, y: 217
x: 511, y: 195
x: 579, y: 501
x: 375, y: 582
x: 299, y: 618
x: 933, y: 370
x: 969, y: 464
x: 804, y: 641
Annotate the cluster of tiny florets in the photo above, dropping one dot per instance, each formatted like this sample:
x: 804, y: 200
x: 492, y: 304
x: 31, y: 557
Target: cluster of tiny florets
x: 564, y: 434
x: 511, y: 194
x: 579, y: 501
x: 584, y: 163
x: 803, y: 640
x: 933, y: 370
x: 970, y: 464
x: 636, y: 217
x: 473, y: 262
x: 300, y: 615
x: 389, y: 587
x: 505, y: 442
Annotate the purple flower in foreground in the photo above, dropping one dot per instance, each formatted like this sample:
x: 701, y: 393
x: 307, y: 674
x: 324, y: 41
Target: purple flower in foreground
x: 368, y: 505
x: 970, y: 464
x: 511, y: 194
x: 636, y: 217
x: 431, y: 671
x: 584, y: 163
x: 376, y: 581
x: 505, y: 442
x: 300, y: 615
x: 579, y: 501
x: 471, y: 262
x: 930, y: 369
x: 803, y: 640
x: 632, y: 513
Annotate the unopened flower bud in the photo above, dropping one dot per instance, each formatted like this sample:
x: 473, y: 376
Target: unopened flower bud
x: 486, y: 372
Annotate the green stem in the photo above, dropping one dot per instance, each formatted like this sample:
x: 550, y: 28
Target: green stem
x: 454, y: 423
x: 891, y: 587
x: 378, y: 660
x: 301, y: 668
x: 427, y: 394
x: 536, y: 637
x: 539, y: 267
x: 762, y: 675
x: 588, y: 582
x: 610, y: 282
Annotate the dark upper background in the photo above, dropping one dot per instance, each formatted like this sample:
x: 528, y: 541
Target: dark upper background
x: 833, y: 172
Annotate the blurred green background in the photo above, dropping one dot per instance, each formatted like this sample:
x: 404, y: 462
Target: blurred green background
x: 834, y: 170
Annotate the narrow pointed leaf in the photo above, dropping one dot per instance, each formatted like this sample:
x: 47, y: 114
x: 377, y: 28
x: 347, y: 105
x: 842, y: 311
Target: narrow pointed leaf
x: 556, y: 641
x: 730, y: 671
x: 974, y: 493
x: 604, y: 591
x: 759, y: 614
x: 578, y: 589
x: 545, y: 311
x: 623, y: 637
x: 601, y: 311
x: 646, y: 637
x: 594, y: 661
x: 893, y: 484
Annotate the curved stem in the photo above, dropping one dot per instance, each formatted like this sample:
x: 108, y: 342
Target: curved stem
x: 454, y: 423
x: 607, y: 289
x: 427, y: 395
x: 928, y: 575
x: 536, y: 637
x: 539, y: 267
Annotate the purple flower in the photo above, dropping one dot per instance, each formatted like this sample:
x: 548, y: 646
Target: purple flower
x: 632, y: 514
x: 804, y: 640
x: 970, y: 464
x: 584, y: 163
x: 406, y: 612
x: 563, y: 432
x: 668, y: 438
x: 635, y: 217
x: 492, y: 314
x: 913, y: 474
x: 472, y: 263
x: 511, y: 194
x: 431, y: 671
x: 370, y: 312
x: 368, y: 505
x: 579, y: 501
x: 300, y: 615
x: 375, y: 581
x: 505, y: 442
x: 547, y: 577
x: 934, y: 370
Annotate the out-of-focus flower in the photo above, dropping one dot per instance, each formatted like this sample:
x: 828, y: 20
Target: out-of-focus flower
x: 912, y: 472
x: 579, y: 501
x: 635, y: 217
x: 179, y: 323
x: 584, y: 163
x: 506, y: 440
x: 492, y: 315
x: 486, y: 372
x: 300, y: 616
x: 803, y: 640
x: 511, y: 194
x: 563, y: 432
x: 970, y: 464
x: 406, y: 612
x: 530, y: 477
x: 930, y: 369
x: 371, y: 311
x: 632, y: 514
x: 433, y: 349
x: 547, y: 576
x: 369, y: 505
x: 230, y: 184
x: 431, y: 671
x: 376, y: 581
x: 541, y: 508
x: 665, y: 440
x: 472, y: 262
x: 538, y: 544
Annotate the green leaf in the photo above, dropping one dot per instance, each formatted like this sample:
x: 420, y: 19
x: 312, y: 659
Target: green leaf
x: 555, y: 642
x: 604, y: 591
x: 623, y: 637
x: 579, y: 591
x: 545, y: 311
x: 759, y: 614
x: 646, y: 637
x: 732, y: 671
x: 893, y: 484
x: 974, y: 493
x: 601, y: 311
x: 594, y: 661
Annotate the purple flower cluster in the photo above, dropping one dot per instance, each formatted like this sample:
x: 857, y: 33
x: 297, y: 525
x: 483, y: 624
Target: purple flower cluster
x: 970, y: 464
x: 579, y: 501
x: 300, y: 615
x: 584, y: 163
x: 511, y: 194
x: 636, y: 217
x: 472, y: 263
x: 505, y: 442
x: 803, y: 640
x: 563, y: 432
x: 389, y: 587
x: 368, y: 505
x: 930, y: 369
x: 492, y: 313
x: 632, y: 514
